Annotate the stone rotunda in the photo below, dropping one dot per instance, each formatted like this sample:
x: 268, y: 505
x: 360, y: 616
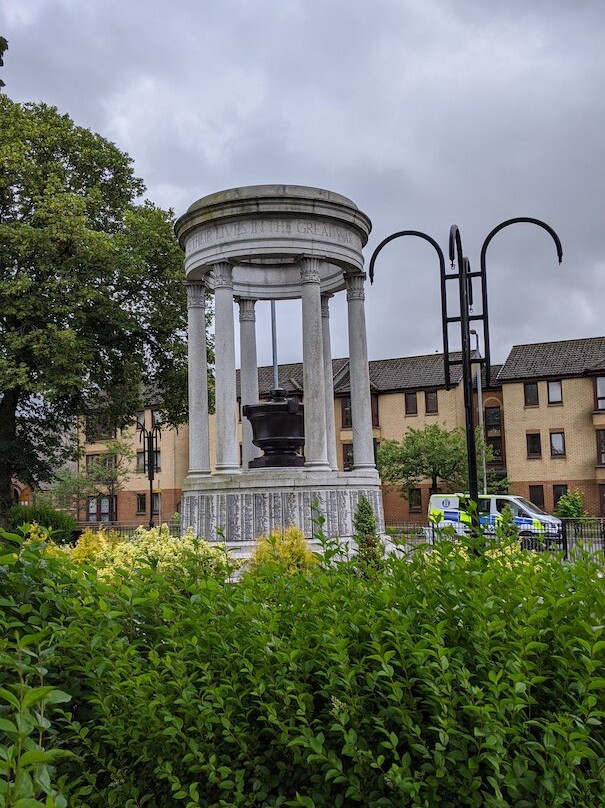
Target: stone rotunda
x: 274, y: 242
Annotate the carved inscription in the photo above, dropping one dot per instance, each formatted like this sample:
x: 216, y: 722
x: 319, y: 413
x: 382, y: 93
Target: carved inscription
x: 218, y: 234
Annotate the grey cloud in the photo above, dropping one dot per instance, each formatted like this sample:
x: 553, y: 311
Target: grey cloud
x: 423, y: 113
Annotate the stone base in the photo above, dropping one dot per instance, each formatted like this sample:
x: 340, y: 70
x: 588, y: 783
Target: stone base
x: 239, y: 508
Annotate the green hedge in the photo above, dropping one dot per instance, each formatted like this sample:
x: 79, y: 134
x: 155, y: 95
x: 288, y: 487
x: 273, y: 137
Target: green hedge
x: 447, y: 680
x: 63, y: 524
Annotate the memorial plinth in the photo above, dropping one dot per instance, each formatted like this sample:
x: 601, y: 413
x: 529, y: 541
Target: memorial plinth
x: 274, y: 242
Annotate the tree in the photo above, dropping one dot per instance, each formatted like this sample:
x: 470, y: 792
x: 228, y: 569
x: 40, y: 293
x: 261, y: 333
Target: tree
x: 365, y: 534
x: 92, y: 304
x: 571, y: 505
x: 103, y: 475
x: 433, y: 453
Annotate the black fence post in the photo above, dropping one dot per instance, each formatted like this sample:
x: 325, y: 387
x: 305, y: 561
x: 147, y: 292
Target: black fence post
x: 564, y: 536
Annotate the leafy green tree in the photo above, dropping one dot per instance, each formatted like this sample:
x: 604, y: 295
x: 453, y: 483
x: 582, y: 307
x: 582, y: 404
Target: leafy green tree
x: 571, y: 505
x: 104, y: 475
x: 92, y: 304
x: 365, y: 535
x: 433, y: 453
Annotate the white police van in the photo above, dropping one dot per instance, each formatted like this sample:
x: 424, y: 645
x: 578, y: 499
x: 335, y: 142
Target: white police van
x: 451, y: 510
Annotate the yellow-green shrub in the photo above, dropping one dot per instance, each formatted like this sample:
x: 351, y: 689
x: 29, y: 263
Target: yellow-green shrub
x: 155, y: 547
x: 287, y: 549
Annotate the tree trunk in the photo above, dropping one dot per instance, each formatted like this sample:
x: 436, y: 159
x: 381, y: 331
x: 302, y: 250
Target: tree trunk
x: 8, y: 432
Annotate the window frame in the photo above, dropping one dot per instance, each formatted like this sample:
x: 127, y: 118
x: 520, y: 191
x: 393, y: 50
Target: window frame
x: 141, y: 503
x: 554, y: 453
x: 554, y: 402
x: 410, y: 396
x: 599, y: 400
x: 415, y: 507
x: 346, y: 416
x: 600, y: 438
x: 539, y: 488
x: 375, y: 410
x: 526, y: 397
x: 428, y: 393
x: 533, y: 455
x: 347, y: 454
x: 556, y: 496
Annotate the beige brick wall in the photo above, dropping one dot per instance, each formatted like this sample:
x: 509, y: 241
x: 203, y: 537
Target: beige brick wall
x: 573, y: 416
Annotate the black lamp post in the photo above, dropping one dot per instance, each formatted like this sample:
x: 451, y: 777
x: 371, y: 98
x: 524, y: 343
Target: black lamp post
x: 461, y: 271
x: 149, y: 438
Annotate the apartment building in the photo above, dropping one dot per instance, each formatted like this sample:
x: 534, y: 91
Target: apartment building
x: 553, y: 400
x: 543, y: 414
x: 129, y: 505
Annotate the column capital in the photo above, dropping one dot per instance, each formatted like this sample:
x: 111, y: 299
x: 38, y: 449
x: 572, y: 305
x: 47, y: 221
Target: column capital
x: 325, y: 305
x: 223, y: 275
x: 310, y: 270
x: 196, y: 294
x: 355, y: 286
x: 246, y: 309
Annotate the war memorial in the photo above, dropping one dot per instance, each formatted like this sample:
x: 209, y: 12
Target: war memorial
x: 272, y: 243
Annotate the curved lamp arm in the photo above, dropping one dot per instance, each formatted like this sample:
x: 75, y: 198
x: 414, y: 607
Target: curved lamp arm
x: 501, y: 226
x: 439, y: 251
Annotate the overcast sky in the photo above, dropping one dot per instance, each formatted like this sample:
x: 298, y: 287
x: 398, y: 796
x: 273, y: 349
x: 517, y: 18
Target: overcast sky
x: 423, y: 112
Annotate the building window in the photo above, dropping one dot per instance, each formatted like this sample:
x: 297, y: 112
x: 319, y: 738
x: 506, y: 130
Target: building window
x: 102, y: 509
x: 530, y: 390
x: 347, y: 456
x: 375, y: 421
x: 157, y: 501
x: 602, y: 499
x: 141, y: 503
x: 496, y: 447
x: 140, y: 419
x: 347, y: 421
x: 492, y: 419
x: 415, y: 500
x: 557, y: 492
x: 98, y: 428
x: 430, y: 402
x: 601, y: 447
x: 536, y: 495
x: 534, y: 445
x: 411, y: 404
x: 555, y: 392
x: 557, y: 444
x: 600, y: 393
x: 141, y: 464
x: 156, y: 418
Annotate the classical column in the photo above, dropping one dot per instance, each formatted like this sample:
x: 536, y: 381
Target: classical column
x: 361, y: 405
x: 227, y: 460
x: 248, y: 380
x: 199, y: 455
x: 316, y: 455
x: 329, y: 382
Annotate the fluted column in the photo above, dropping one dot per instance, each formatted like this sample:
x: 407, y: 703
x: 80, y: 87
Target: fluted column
x: 248, y: 380
x: 329, y: 382
x: 227, y: 460
x: 316, y: 455
x: 361, y: 405
x: 199, y: 454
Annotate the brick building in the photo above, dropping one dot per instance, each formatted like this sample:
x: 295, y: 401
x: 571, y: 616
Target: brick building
x: 553, y: 396
x: 544, y: 417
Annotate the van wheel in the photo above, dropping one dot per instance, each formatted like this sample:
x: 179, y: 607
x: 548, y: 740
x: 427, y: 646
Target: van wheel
x: 528, y: 541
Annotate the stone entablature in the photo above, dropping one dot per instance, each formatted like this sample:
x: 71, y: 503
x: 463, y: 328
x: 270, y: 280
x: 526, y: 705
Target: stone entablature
x: 264, y: 230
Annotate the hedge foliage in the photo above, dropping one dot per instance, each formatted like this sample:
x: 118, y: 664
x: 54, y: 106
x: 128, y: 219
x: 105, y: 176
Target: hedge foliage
x: 450, y: 679
x: 61, y: 523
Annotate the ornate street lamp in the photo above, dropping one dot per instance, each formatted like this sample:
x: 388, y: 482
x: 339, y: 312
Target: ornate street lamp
x: 149, y: 438
x: 461, y: 271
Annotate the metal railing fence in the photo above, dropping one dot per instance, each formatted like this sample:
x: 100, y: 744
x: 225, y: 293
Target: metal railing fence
x: 576, y: 537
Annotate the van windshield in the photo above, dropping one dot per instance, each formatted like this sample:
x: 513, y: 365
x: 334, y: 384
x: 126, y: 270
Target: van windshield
x: 531, y: 507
